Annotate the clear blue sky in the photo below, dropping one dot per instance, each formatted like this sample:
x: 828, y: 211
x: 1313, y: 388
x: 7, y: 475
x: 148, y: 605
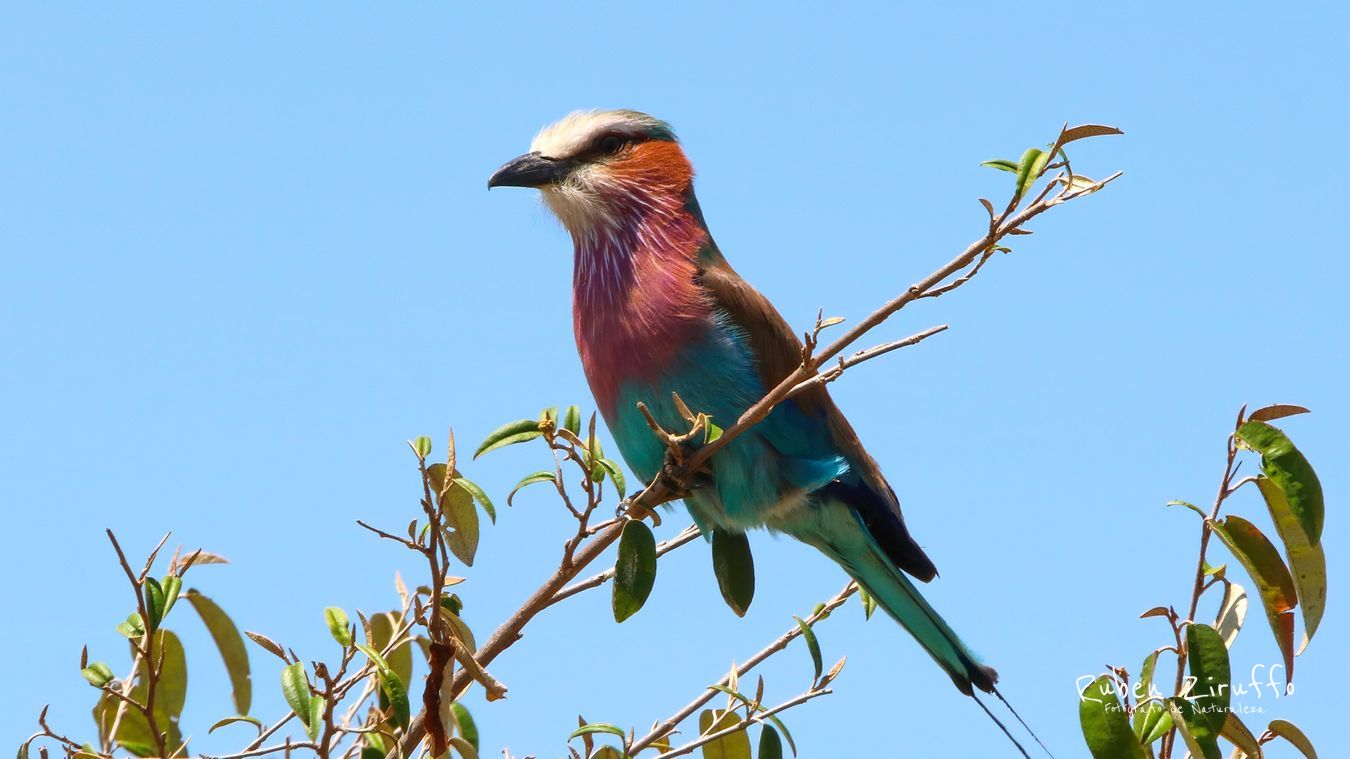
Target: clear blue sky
x: 248, y: 251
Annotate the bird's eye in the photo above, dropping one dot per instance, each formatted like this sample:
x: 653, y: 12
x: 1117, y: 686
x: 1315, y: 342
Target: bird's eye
x: 611, y: 144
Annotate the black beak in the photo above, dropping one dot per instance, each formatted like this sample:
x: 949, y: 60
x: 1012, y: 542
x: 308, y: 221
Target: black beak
x: 530, y: 170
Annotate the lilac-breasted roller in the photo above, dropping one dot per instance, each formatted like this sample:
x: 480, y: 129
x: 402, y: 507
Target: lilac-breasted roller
x: 657, y: 309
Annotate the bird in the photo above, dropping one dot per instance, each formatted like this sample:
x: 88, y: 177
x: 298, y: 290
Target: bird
x: 659, y: 311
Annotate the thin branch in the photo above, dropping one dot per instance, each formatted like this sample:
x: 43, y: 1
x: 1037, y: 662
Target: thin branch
x: 594, y: 581
x: 834, y: 372
x: 689, y: 748
x: 666, y: 726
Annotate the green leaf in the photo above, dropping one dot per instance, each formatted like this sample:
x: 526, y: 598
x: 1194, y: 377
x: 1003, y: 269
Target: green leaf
x: 711, y: 432
x: 770, y: 745
x: 519, y: 431
x: 572, y: 420
x: 1148, y: 714
x: 480, y: 496
x: 530, y: 479
x: 1287, y: 468
x: 375, y: 657
x: 339, y: 626
x: 1307, y: 562
x: 1288, y: 731
x: 1273, y: 582
x: 133, y: 627
x: 295, y: 688
x: 232, y: 720
x: 635, y: 569
x: 735, y: 569
x: 869, y: 604
x: 98, y: 674
x: 592, y: 728
x: 1102, y: 719
x: 172, y: 587
x: 778, y: 723
x: 462, y: 517
x: 464, y: 720
x: 1190, y: 506
x: 167, y: 650
x: 1029, y: 168
x: 733, y: 746
x: 392, y: 685
x: 1002, y: 164
x: 1203, y: 706
x: 812, y: 645
x: 231, y: 646
x: 154, y: 601
x: 314, y: 725
x: 421, y: 446
x: 1199, y: 746
x: 615, y: 474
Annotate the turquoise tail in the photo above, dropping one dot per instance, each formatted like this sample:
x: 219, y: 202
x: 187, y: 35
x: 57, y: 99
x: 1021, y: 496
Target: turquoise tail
x: 835, y: 529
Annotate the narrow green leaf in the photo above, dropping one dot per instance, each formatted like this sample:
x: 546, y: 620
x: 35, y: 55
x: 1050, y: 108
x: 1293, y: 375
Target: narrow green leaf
x: 733, y: 746
x: 635, y: 569
x: 592, y: 728
x: 530, y: 479
x: 734, y: 567
x: 572, y: 420
x: 1102, y: 719
x: 1205, y: 704
x: 1288, y: 731
x: 1307, y: 562
x: 1272, y: 578
x: 519, y: 431
x: 295, y: 688
x: 778, y: 723
x: 1147, y: 714
x: 465, y: 722
x: 1029, y: 168
x: 231, y: 646
x: 480, y: 496
x: 869, y: 604
x: 154, y: 601
x: 770, y: 745
x: 172, y: 587
x: 373, y: 655
x: 232, y: 720
x: 339, y: 626
x: 392, y: 685
x: 1287, y: 468
x: 98, y: 674
x: 812, y: 645
x: 314, y: 725
x: 1190, y: 506
x: 1002, y: 164
x: 615, y: 474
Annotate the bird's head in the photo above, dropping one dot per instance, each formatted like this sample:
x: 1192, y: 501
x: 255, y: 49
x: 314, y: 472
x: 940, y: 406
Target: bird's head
x: 602, y: 170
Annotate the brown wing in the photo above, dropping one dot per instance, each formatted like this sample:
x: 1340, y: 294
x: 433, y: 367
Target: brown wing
x: 777, y: 350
